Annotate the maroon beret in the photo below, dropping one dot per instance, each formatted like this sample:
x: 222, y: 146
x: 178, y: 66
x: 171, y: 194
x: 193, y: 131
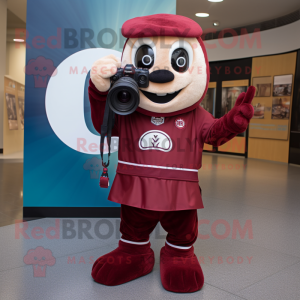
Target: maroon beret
x: 161, y: 25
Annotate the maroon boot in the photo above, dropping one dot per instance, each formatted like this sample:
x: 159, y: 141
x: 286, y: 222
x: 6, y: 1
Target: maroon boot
x: 125, y: 263
x: 180, y: 270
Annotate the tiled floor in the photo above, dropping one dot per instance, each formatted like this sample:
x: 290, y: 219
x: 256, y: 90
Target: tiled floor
x: 263, y: 195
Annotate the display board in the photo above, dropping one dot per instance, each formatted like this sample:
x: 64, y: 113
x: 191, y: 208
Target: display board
x: 271, y: 107
x: 13, y: 116
x: 62, y: 164
x: 269, y: 130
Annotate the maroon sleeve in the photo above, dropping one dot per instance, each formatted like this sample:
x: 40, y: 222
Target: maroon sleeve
x: 97, y: 102
x: 234, y: 122
x: 212, y: 131
x: 204, y: 121
x: 219, y: 133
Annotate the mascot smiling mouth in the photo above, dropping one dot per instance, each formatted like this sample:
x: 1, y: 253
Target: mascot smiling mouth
x: 161, y: 98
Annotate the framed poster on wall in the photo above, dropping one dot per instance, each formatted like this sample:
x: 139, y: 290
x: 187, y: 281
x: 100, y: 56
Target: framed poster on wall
x: 10, y: 90
x: 282, y: 85
x: 11, y: 109
x: 259, y: 111
x: 263, y: 86
x: 281, y: 108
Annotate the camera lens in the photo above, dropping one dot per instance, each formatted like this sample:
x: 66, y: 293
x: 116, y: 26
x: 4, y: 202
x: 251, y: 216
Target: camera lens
x: 123, y: 98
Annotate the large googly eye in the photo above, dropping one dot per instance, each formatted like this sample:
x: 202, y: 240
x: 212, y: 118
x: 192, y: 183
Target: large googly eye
x: 144, y: 57
x: 147, y: 60
x: 143, y: 53
x: 180, y: 60
x: 181, y: 56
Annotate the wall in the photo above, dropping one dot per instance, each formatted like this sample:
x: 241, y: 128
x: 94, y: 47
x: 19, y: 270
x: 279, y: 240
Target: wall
x: 230, y: 73
x: 3, y: 9
x: 295, y: 122
x: 267, y: 148
x: 13, y: 138
x: 269, y: 42
x: 15, y: 61
x: 274, y: 41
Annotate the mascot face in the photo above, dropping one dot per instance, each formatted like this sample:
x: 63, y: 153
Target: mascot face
x: 177, y: 71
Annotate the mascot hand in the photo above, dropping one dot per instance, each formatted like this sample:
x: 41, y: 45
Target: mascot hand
x: 239, y: 116
x: 102, y: 70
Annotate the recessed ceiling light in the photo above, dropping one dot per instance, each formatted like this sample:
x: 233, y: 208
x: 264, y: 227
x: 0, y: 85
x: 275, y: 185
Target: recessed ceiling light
x: 18, y: 40
x: 216, y: 23
x: 202, y: 15
x: 215, y: 0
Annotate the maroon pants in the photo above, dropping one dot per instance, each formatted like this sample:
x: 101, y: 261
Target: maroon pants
x: 181, y: 225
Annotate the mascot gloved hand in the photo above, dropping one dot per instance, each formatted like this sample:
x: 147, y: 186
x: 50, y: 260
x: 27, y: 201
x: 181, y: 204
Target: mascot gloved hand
x: 160, y: 149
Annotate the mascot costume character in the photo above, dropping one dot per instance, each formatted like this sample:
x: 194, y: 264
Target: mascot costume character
x: 161, y: 79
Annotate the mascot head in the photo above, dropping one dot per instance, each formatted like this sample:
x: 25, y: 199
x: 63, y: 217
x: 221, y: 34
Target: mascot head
x: 170, y: 46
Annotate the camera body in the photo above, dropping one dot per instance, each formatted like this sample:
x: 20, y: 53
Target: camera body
x: 139, y: 75
x: 123, y: 97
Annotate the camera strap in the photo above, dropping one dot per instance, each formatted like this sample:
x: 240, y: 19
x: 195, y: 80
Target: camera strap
x: 106, y: 130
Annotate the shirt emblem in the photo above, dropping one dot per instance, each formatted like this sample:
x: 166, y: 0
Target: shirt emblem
x: 155, y: 140
x: 180, y: 123
x: 157, y: 121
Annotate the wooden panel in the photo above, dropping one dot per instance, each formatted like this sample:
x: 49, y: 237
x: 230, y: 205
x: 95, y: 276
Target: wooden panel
x: 235, y: 145
x: 13, y: 140
x: 263, y: 128
x: 275, y: 150
x: 212, y: 85
x: 208, y: 147
x: 271, y: 148
x: 233, y: 83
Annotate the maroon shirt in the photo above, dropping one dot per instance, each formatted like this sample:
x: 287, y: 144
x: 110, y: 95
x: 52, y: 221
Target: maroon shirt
x: 159, y: 157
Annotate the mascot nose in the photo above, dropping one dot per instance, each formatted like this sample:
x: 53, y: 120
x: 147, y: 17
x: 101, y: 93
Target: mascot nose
x: 161, y: 76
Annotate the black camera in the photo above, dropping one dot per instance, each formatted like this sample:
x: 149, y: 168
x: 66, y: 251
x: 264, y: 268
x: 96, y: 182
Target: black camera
x: 123, y: 97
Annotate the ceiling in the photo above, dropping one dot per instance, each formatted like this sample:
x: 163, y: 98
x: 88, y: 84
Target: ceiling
x: 229, y: 13
x: 13, y: 21
x: 18, y: 7
x: 235, y: 13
